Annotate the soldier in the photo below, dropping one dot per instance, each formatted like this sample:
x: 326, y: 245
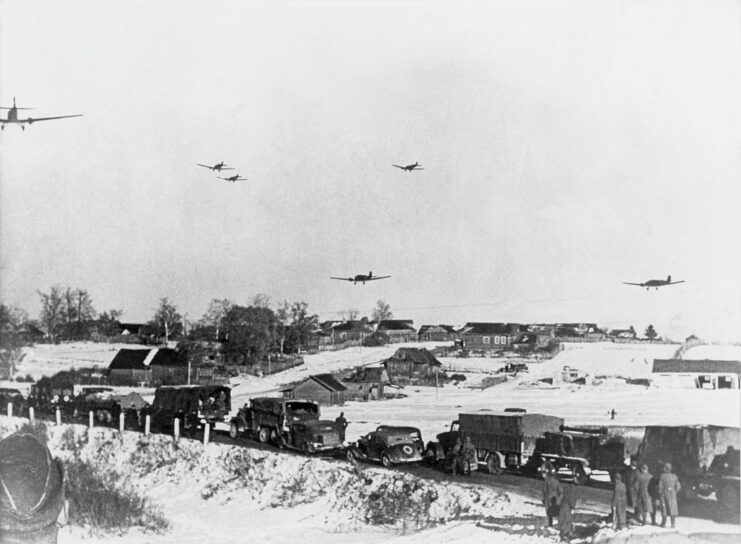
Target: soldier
x: 669, y: 486
x: 342, y: 422
x: 566, y: 512
x: 552, y: 493
x: 632, y: 484
x: 642, y: 499
x: 31, y: 492
x: 463, y: 452
x: 619, y: 503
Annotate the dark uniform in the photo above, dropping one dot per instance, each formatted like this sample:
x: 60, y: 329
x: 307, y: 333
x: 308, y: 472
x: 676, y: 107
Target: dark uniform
x: 619, y: 503
x: 669, y: 486
x: 31, y: 491
x: 343, y: 425
x: 566, y: 512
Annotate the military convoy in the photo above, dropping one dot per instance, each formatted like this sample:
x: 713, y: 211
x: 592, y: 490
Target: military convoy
x: 193, y: 405
x: 286, y: 423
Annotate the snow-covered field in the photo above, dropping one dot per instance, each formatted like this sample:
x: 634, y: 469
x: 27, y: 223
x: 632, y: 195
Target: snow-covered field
x: 259, y: 508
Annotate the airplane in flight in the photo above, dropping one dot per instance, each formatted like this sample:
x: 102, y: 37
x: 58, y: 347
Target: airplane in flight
x: 655, y: 283
x: 218, y: 167
x: 362, y: 278
x: 13, y: 117
x: 409, y: 167
x: 233, y: 178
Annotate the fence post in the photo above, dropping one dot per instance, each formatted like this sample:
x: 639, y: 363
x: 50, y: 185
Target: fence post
x: 59, y: 417
x: 10, y: 409
x: 90, y: 419
x: 121, y: 422
x: 206, y: 433
x: 31, y: 415
x: 147, y: 422
x: 176, y: 429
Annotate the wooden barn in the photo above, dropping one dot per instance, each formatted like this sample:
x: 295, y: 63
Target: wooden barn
x: 412, y: 366
x: 699, y: 374
x: 366, y: 383
x: 128, y: 368
x: 324, y: 389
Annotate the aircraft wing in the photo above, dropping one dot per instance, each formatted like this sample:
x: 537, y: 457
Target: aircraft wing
x: 34, y: 119
x: 204, y: 165
x: 343, y: 279
x: 398, y: 166
x: 628, y: 283
x: 377, y: 278
x: 673, y: 282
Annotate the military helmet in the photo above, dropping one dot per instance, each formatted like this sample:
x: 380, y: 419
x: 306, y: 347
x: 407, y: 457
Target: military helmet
x: 31, y: 485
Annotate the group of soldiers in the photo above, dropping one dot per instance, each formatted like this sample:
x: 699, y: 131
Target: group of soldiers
x: 649, y: 495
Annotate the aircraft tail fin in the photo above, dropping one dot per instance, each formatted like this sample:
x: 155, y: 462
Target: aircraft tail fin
x: 370, y: 274
x: 669, y: 279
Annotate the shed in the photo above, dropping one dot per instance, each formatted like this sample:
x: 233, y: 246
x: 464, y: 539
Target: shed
x: 398, y: 330
x: 324, y: 389
x: 128, y: 367
x: 366, y: 383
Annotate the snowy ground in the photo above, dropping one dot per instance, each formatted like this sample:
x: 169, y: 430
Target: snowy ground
x: 261, y: 510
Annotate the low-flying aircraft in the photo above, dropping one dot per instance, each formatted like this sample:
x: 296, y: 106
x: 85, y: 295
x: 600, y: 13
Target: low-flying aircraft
x: 362, y: 278
x: 218, y: 167
x: 13, y: 117
x: 233, y: 178
x: 655, y: 283
x: 409, y: 167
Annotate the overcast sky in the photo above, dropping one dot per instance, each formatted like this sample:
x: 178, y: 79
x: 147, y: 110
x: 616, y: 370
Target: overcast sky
x: 567, y: 146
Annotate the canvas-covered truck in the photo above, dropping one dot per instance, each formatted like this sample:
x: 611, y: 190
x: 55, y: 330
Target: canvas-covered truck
x: 580, y: 451
x: 501, y: 440
x: 690, y: 450
x: 194, y: 405
x: 724, y: 479
x: 286, y: 423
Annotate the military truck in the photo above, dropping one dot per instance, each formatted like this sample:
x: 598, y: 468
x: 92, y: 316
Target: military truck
x: 107, y: 406
x: 581, y: 451
x: 193, y: 405
x: 690, y: 450
x: 286, y: 423
x: 501, y: 440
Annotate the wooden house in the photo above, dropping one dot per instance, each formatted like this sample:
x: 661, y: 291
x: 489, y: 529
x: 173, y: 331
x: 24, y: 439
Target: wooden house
x: 412, y: 365
x: 351, y: 331
x: 128, y: 368
x: 324, y: 389
x: 437, y: 333
x: 398, y: 330
x: 489, y: 336
x: 366, y: 383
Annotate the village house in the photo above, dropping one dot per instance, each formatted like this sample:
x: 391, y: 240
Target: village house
x: 697, y: 374
x: 437, y: 333
x: 324, y: 389
x: 398, y: 330
x: 622, y: 334
x: 150, y: 367
x: 351, y: 331
x: 412, y: 366
x: 128, y: 368
x: 365, y: 383
x: 489, y: 336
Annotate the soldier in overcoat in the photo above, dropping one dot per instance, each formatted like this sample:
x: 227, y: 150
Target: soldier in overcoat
x: 643, y: 502
x: 669, y: 486
x: 552, y: 493
x: 619, y: 502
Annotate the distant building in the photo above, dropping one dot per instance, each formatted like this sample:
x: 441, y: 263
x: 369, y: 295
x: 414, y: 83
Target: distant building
x: 489, y: 336
x: 149, y: 367
x: 437, y: 333
x: 324, y: 389
x: 398, y: 330
x: 351, y: 331
x: 366, y: 383
x: 412, y: 365
x: 128, y: 368
x: 700, y: 374
x: 626, y: 334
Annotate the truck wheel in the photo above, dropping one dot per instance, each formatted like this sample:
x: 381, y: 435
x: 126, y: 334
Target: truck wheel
x: 580, y: 476
x: 264, y: 435
x: 492, y: 464
x: 233, y: 430
x: 386, y: 460
x: 729, y: 496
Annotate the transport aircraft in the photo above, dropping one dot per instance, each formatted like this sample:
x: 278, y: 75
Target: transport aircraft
x: 234, y: 178
x: 218, y: 167
x: 361, y: 278
x: 409, y: 167
x: 13, y: 117
x: 655, y: 283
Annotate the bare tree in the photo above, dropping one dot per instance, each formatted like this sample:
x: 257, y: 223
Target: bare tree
x: 167, y: 321
x: 350, y: 314
x: 52, y: 310
x: 215, y: 315
x: 382, y: 311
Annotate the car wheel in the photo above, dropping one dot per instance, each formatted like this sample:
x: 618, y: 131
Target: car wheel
x: 492, y: 464
x: 386, y: 460
x: 264, y: 435
x: 580, y: 476
x: 233, y: 430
